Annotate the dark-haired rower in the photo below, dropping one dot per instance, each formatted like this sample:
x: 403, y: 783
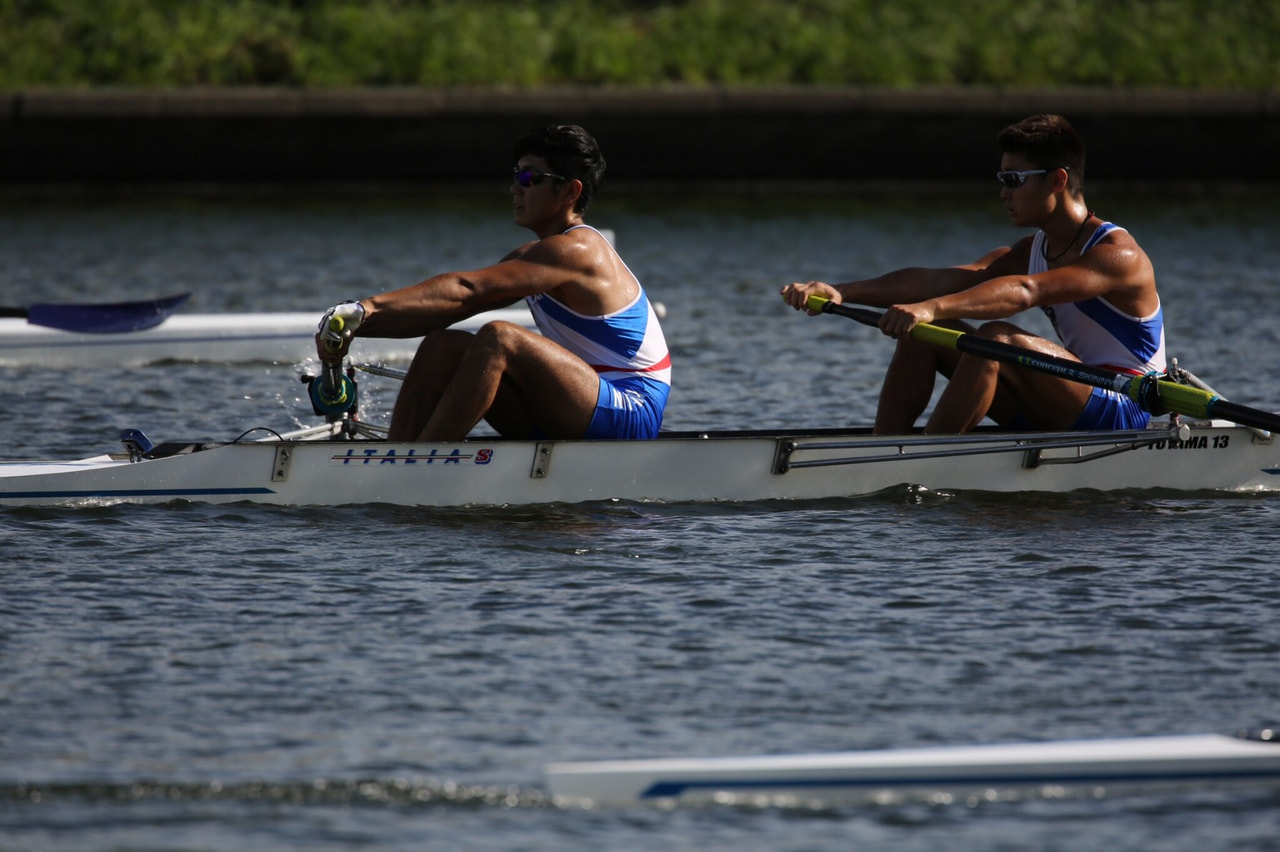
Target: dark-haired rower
x: 1089, y: 276
x: 600, y: 366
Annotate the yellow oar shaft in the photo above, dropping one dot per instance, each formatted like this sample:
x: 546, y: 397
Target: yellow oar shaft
x: 1154, y: 394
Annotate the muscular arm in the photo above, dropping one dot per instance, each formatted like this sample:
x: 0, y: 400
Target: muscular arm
x: 580, y: 272
x: 1119, y: 272
x: 441, y: 300
x: 913, y: 284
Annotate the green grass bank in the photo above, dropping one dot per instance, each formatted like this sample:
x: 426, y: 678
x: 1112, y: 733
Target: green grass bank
x: 708, y: 91
x: 1199, y: 44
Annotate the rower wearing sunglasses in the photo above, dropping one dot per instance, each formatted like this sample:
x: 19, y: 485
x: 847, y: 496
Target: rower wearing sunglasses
x: 600, y: 367
x: 1089, y: 276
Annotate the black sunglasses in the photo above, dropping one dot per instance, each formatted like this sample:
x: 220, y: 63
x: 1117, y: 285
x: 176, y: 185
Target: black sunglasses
x: 1014, y: 179
x: 528, y: 177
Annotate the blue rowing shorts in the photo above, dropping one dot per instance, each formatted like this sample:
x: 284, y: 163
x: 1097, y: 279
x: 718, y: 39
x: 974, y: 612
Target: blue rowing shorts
x: 1107, y: 409
x: 628, y: 408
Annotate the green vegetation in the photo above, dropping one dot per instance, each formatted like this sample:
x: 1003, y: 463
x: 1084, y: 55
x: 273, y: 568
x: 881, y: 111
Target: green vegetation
x: 1181, y: 43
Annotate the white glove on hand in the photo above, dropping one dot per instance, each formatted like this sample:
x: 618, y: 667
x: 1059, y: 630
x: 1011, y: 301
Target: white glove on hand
x: 339, y: 323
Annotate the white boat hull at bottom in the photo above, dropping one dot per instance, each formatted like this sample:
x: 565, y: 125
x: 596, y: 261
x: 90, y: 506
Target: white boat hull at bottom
x: 678, y: 467
x: 1189, y: 759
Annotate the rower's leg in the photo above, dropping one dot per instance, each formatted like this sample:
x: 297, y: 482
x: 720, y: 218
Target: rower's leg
x: 432, y: 369
x: 1009, y: 395
x: 908, y: 384
x: 967, y: 398
x: 521, y: 382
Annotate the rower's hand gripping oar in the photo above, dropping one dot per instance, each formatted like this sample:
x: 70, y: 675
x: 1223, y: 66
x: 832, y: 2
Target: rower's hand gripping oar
x: 1154, y: 394
x: 333, y: 394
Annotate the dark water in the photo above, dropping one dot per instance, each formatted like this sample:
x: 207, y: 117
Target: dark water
x: 246, y: 677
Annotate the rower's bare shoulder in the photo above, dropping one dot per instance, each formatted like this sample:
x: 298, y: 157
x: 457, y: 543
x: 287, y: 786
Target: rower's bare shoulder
x: 1120, y: 240
x: 1130, y: 281
x: 580, y: 251
x: 1120, y: 253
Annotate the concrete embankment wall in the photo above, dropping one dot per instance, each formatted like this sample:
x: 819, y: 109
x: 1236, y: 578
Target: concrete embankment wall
x: 793, y: 134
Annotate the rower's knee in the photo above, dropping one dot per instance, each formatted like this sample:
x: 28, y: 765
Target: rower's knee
x: 451, y: 344
x: 439, y: 344
x: 438, y: 354
x: 997, y: 330
x: 499, y: 335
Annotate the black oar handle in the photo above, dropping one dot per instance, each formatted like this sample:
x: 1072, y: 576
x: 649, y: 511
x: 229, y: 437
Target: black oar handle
x: 862, y: 315
x: 1244, y: 415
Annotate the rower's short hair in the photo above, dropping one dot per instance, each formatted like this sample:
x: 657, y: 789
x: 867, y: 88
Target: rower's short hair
x: 570, y: 151
x: 1049, y: 142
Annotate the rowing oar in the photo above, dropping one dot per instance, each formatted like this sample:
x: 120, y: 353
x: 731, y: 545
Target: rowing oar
x: 102, y: 318
x: 1153, y: 393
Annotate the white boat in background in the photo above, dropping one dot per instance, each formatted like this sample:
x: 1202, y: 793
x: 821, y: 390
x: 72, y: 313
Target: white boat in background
x: 1196, y: 759
x: 328, y: 465
x: 206, y: 338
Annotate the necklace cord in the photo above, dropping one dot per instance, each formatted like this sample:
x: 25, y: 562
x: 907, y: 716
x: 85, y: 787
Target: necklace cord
x: 1044, y: 244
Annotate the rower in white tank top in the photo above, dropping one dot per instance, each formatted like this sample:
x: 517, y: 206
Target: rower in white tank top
x: 626, y: 348
x: 1101, y: 335
x: 1097, y: 332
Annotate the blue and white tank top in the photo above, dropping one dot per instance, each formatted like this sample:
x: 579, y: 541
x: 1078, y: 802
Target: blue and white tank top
x: 626, y: 346
x: 1098, y: 333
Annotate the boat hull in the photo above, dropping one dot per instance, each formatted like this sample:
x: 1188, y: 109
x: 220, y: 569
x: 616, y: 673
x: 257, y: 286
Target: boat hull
x: 676, y: 468
x: 1189, y: 759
